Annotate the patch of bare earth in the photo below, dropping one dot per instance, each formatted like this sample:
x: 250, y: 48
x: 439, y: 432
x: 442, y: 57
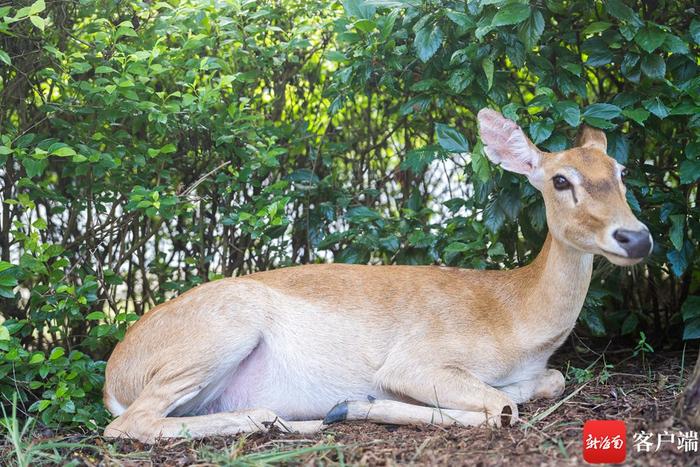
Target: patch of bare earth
x: 643, y: 394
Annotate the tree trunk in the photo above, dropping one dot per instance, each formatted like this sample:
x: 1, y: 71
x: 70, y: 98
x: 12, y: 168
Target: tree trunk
x: 690, y: 400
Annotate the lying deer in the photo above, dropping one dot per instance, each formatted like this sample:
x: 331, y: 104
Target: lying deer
x: 307, y: 346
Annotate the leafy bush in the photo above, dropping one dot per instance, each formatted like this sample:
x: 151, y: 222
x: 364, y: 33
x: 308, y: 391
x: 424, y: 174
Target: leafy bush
x: 146, y: 148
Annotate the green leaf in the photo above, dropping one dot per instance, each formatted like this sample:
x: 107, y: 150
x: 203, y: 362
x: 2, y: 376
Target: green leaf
x: 95, y: 315
x: 569, y: 112
x: 602, y: 111
x: 415, y: 105
x: 56, y: 353
x: 359, y: 8
x: 638, y: 115
x: 657, y: 107
x: 596, y: 27
x: 335, y: 56
x: 450, y: 139
x: 650, y: 38
x: 68, y: 406
x: 632, y: 200
x: 494, y: 217
x: 689, y: 171
x: 460, y: 19
x: 37, y: 7
x: 34, y: 167
x: 678, y: 261
x: 301, y: 176
x: 36, y: 358
x: 425, y: 85
x: 6, y: 292
x: 629, y: 325
x: 38, y: 21
x: 691, y: 307
x: 676, y: 45
x: 512, y: 13
x: 456, y: 247
x: 8, y: 280
x: 487, y: 65
x: 629, y: 66
x: 352, y: 255
x: 361, y: 214
x: 541, y: 130
x: 64, y: 151
x: 676, y: 232
x: 496, y: 249
x: 691, y: 329
x: 41, y: 405
x: 5, y: 57
x: 168, y: 148
x: 653, y: 66
x: 39, y: 224
x: 127, y: 31
x: 622, y: 12
x: 531, y: 30
x: 4, y: 333
x: 417, y: 159
x: 460, y: 79
x: 594, y: 321
x: 427, y: 42
x: 598, y: 51
x: 480, y: 164
x: 695, y: 30
x: 365, y: 25
x: 102, y: 69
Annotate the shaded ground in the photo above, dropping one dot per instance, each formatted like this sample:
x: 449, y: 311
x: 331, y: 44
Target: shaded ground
x: 641, y: 392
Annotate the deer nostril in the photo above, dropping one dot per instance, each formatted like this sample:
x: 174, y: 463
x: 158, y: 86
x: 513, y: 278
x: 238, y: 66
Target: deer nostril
x: 621, y: 236
x: 637, y: 244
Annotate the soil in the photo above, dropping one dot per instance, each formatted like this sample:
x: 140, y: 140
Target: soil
x: 640, y: 390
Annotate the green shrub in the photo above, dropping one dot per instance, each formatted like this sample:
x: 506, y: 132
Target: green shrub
x: 146, y: 148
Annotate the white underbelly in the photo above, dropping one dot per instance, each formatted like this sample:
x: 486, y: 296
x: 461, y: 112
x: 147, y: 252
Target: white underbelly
x: 296, y: 383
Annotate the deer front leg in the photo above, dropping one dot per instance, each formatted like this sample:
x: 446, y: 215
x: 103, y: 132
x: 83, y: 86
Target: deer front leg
x: 550, y: 385
x: 448, y: 387
x: 547, y: 385
x: 401, y: 413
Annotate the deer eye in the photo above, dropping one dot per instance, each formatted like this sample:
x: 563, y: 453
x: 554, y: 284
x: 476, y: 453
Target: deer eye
x: 623, y: 174
x: 561, y: 183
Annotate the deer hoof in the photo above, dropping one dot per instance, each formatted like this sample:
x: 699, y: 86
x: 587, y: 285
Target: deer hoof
x: 338, y: 413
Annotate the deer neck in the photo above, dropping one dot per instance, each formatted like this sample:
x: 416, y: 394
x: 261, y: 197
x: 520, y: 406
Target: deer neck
x: 558, y: 282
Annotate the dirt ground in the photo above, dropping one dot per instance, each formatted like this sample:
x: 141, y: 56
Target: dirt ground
x: 619, y: 385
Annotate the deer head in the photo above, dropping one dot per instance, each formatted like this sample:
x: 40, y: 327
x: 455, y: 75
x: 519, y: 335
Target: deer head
x: 583, y: 189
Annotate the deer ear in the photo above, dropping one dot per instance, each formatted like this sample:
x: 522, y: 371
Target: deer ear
x: 591, y: 138
x: 505, y: 143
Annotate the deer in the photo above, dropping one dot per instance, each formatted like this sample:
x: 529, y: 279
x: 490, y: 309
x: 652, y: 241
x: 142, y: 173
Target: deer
x: 304, y: 347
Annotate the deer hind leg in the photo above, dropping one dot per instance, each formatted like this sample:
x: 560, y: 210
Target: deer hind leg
x: 171, y: 392
x: 188, y: 385
x: 401, y: 413
x: 147, y: 427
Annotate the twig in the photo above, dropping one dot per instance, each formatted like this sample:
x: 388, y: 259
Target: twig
x: 202, y: 178
x: 554, y: 407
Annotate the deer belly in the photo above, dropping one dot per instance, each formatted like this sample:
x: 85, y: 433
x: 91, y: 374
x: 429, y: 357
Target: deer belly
x: 291, y: 383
